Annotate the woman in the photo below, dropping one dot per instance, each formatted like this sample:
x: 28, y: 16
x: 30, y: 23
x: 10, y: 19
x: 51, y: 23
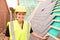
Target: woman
x: 22, y: 29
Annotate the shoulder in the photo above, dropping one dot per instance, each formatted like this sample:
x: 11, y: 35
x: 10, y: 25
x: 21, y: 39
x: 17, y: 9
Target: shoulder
x: 27, y: 22
x: 10, y: 21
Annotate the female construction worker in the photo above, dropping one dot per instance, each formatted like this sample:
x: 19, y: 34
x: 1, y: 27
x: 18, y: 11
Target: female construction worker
x: 20, y: 26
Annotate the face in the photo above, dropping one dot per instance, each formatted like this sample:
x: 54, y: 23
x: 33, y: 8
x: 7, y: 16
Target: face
x: 20, y: 16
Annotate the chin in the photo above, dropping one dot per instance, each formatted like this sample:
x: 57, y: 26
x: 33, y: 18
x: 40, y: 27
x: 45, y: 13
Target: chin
x: 21, y: 20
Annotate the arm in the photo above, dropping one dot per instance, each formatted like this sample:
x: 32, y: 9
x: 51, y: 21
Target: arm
x: 7, y: 35
x: 39, y: 37
x: 35, y: 35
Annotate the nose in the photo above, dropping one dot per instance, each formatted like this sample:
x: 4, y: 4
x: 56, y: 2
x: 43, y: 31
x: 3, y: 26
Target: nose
x: 21, y: 16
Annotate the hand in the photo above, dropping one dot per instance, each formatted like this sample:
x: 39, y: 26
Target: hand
x: 46, y: 37
x: 43, y: 39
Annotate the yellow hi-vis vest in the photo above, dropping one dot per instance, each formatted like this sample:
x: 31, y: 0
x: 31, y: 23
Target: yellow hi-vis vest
x: 20, y: 34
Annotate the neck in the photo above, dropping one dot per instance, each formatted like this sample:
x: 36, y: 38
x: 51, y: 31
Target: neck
x: 20, y: 22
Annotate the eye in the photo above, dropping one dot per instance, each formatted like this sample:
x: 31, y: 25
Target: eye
x: 23, y: 14
x: 19, y: 14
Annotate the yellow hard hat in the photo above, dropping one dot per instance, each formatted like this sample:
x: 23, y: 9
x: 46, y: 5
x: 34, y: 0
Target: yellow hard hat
x: 20, y: 9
